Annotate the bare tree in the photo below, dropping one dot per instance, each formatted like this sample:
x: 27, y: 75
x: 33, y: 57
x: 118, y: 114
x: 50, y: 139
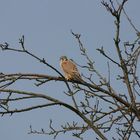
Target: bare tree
x: 121, y: 111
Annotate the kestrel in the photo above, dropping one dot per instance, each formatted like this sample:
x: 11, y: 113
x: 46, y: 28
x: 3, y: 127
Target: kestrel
x: 69, y: 68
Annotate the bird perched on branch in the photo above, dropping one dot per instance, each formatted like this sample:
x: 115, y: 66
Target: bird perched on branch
x: 69, y: 68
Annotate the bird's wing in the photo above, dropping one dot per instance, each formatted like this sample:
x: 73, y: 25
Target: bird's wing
x: 73, y: 65
x: 69, y: 67
x: 75, y: 73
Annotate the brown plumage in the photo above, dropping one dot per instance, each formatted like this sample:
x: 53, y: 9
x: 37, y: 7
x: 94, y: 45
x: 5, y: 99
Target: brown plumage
x: 69, y: 68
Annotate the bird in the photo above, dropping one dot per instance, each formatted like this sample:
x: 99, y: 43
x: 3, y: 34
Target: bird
x: 69, y: 68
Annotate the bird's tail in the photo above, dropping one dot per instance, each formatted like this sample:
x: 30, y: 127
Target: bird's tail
x: 78, y: 78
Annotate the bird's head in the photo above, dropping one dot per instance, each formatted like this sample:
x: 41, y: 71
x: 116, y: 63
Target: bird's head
x: 63, y: 58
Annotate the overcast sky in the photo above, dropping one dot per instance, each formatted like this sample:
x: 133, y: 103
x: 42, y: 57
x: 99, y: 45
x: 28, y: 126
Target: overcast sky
x: 46, y: 25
